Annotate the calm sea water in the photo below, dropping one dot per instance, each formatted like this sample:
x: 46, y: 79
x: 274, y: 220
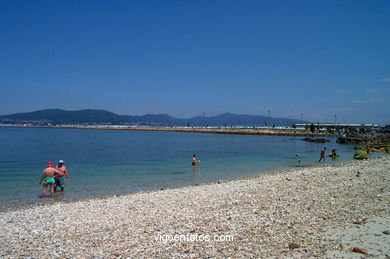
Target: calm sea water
x: 106, y: 162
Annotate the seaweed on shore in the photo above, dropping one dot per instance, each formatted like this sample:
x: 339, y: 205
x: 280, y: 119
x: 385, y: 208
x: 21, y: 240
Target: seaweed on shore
x: 376, y: 143
x: 360, y: 154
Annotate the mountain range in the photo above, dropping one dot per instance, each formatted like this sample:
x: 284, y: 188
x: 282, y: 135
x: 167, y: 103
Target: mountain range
x: 89, y: 116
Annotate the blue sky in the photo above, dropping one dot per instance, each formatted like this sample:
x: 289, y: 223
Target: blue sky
x: 186, y: 58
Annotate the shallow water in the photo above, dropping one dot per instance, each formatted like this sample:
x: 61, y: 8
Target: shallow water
x: 106, y: 162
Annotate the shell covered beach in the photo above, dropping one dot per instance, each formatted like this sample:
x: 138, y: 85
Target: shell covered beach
x: 335, y: 211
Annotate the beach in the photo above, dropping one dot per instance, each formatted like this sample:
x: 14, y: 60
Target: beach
x: 319, y: 211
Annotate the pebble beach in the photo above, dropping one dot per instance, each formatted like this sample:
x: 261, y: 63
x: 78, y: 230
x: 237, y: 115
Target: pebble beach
x: 326, y: 211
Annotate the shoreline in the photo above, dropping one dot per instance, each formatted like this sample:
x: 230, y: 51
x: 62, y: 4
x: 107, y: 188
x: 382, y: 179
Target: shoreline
x: 311, y: 211
x: 20, y: 205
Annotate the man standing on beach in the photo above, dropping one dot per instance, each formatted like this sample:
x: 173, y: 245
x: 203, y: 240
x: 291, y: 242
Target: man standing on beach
x: 322, y: 155
x: 47, y: 177
x: 59, y: 179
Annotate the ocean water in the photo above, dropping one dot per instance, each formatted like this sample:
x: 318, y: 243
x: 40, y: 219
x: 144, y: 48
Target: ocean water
x: 107, y: 162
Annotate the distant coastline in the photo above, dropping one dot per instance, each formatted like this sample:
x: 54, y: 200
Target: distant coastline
x: 102, y: 117
x: 277, y: 131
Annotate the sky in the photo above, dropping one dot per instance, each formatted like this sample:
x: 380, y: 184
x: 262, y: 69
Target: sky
x: 322, y: 60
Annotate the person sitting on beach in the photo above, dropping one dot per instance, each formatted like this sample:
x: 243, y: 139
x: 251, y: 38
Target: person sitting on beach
x: 60, y: 178
x: 194, y: 161
x: 334, y: 154
x: 322, y: 155
x: 47, y: 177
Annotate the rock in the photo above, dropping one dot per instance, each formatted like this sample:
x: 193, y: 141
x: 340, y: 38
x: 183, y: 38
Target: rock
x: 360, y: 250
x: 350, y: 140
x: 220, y: 181
x: 342, y: 140
x: 360, y: 221
x: 293, y: 245
x: 386, y: 232
x: 316, y: 140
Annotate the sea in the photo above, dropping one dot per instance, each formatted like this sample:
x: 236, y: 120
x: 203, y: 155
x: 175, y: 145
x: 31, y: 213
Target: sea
x: 112, y: 162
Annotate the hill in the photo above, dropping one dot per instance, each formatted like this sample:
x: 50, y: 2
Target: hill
x: 58, y: 116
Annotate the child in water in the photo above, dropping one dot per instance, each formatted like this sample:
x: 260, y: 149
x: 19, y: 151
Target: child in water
x: 368, y: 151
x: 322, y: 154
x: 298, y: 159
x: 194, y: 161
